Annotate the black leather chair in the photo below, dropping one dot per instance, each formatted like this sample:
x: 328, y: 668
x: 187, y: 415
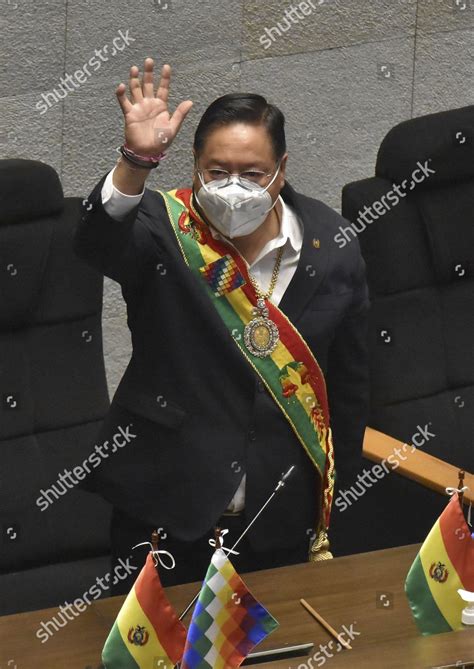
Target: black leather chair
x: 420, y: 266
x: 53, y: 394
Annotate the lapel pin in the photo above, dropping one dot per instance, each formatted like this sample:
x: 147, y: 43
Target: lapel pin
x: 316, y: 243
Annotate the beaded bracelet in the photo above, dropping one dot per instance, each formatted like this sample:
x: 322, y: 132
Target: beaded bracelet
x: 149, y: 162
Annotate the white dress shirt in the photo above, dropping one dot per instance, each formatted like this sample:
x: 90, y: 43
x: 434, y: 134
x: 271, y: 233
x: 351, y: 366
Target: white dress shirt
x: 117, y: 205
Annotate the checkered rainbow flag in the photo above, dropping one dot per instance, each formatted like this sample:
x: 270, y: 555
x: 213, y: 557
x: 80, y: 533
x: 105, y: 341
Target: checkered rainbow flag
x: 227, y: 621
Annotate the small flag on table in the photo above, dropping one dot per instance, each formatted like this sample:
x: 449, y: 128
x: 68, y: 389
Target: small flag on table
x: 444, y: 564
x: 227, y: 621
x: 147, y: 633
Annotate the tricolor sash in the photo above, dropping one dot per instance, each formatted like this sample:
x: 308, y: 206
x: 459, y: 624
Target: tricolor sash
x: 291, y: 373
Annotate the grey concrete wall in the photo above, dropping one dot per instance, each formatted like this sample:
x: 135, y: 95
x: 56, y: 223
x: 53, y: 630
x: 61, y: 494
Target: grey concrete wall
x: 343, y: 74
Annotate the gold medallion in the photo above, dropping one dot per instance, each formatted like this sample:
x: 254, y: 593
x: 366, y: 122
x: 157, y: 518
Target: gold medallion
x: 261, y: 334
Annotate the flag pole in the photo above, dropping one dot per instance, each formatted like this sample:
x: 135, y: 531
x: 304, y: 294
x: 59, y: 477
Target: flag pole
x: 278, y: 487
x: 154, y: 540
x: 461, y: 476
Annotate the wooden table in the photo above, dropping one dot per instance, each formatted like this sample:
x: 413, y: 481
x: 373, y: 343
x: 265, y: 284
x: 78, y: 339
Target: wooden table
x: 364, y: 590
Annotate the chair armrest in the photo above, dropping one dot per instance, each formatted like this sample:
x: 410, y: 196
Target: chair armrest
x: 421, y: 467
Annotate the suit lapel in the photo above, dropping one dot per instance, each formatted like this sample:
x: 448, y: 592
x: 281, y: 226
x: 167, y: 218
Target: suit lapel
x: 312, y: 264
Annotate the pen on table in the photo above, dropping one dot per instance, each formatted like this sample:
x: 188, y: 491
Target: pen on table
x: 325, y: 624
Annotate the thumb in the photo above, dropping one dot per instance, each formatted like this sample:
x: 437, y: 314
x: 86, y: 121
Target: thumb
x: 180, y: 113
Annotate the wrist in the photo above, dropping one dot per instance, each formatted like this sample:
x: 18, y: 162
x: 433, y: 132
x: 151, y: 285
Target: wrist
x: 148, y: 161
x: 129, y: 179
x: 132, y: 167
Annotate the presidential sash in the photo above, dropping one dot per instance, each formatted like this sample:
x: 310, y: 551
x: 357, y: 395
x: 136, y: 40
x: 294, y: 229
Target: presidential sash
x: 290, y: 373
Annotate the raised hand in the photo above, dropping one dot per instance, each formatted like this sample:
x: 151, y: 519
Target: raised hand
x: 149, y: 128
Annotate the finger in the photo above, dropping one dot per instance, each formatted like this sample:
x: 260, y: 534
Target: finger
x: 164, y: 87
x: 147, y: 87
x: 124, y: 102
x: 180, y: 113
x: 136, y: 94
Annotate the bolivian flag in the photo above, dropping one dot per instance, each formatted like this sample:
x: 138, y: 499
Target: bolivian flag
x: 444, y: 564
x: 147, y: 633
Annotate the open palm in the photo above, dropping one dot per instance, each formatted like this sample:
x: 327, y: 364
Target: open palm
x: 149, y: 127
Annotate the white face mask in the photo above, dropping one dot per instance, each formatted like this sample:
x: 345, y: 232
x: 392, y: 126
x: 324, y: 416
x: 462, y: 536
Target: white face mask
x: 238, y: 208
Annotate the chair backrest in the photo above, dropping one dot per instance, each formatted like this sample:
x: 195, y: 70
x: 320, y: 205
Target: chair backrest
x: 418, y: 243
x: 53, y: 394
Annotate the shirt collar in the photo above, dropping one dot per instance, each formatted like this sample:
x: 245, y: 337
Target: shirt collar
x: 290, y: 228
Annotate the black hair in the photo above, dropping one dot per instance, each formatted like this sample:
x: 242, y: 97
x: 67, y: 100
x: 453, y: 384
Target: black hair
x: 243, y: 108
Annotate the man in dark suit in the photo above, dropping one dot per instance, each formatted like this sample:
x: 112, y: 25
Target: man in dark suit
x: 203, y: 440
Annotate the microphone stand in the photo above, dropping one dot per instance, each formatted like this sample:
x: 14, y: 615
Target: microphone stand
x: 278, y: 487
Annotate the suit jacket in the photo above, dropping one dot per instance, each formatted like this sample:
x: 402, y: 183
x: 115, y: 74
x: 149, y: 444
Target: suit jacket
x: 199, y: 415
